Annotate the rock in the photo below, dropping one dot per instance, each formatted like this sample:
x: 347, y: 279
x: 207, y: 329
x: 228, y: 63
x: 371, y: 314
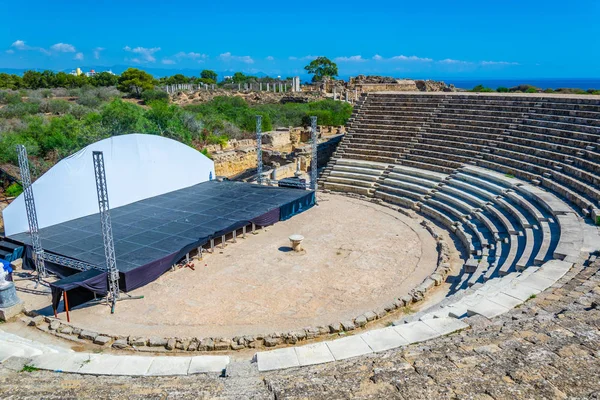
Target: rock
x: 102, y: 340
x: 88, y: 335
x: 390, y: 307
x: 406, y: 300
x: 272, y: 341
x: 77, y: 331
x: 416, y: 297
x: 223, y: 344
x: 120, y: 344
x: 348, y: 325
x: 54, y: 325
x: 360, y: 321
x: 206, y: 344
x: 137, y: 341
x: 66, y: 329
x: 370, y: 316
x: 323, y: 330
x: 335, y: 328
x: 193, y: 346
x: 596, y: 304
x: 35, y: 321
x: 299, y: 334
x: 171, y: 344
x: 437, y: 279
x: 182, y: 344
x: 236, y: 346
x: 312, y: 332
x: 156, y: 341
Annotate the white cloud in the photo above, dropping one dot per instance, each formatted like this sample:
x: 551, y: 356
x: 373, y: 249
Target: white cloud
x: 411, y: 58
x: 227, y: 57
x: 20, y: 45
x: 63, y: 48
x: 451, y: 61
x: 78, y: 56
x: 377, y: 57
x: 270, y: 58
x: 10, y: 51
x: 167, y: 61
x: 350, y: 59
x: 303, y: 58
x: 97, y: 51
x: 191, y: 55
x: 485, y: 63
x: 145, y: 54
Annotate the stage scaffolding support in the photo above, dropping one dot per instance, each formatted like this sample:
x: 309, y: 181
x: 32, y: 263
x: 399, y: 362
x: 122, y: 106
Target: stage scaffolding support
x: 38, y: 251
x: 259, y: 162
x: 107, y: 236
x: 314, y: 161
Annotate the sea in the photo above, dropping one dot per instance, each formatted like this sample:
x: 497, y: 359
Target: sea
x: 546, y: 83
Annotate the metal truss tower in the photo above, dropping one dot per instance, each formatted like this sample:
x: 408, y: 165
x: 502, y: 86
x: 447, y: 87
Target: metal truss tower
x: 259, y: 165
x: 313, y: 161
x: 38, y: 251
x: 107, y: 236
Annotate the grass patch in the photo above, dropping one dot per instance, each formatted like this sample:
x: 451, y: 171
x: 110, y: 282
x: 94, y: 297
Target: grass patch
x: 511, y: 176
x: 29, y: 368
x: 533, y: 296
x: 598, y: 220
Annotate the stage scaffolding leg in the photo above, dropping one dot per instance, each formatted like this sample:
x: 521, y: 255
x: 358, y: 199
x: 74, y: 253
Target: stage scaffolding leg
x: 107, y: 236
x: 38, y: 252
x: 314, y: 161
x: 259, y: 163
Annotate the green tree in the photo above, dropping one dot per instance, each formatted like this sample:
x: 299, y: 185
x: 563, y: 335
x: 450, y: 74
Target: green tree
x: 208, y: 74
x: 322, y: 67
x: 135, y: 81
x: 120, y: 117
x: 105, y: 79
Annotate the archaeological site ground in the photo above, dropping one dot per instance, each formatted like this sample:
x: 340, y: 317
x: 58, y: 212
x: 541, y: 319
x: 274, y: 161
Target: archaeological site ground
x: 440, y: 244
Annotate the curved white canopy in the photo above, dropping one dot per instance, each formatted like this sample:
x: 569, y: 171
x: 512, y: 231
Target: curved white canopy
x: 138, y: 166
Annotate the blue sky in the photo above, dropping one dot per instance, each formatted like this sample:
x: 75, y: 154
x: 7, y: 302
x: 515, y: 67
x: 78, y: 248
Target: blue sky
x: 424, y: 39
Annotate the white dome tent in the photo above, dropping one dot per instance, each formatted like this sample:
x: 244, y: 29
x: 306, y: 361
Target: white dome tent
x: 138, y: 166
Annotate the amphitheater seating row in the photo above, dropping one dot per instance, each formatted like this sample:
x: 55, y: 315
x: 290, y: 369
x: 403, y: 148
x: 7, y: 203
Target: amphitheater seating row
x: 426, y: 152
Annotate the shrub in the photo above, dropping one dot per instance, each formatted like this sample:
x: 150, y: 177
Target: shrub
x: 56, y: 107
x: 218, y: 139
x: 120, y: 117
x: 531, y: 90
x: 598, y: 220
x: 46, y: 93
x: 481, y: 88
x: 206, y: 153
x: 79, y: 111
x: 549, y: 90
x: 152, y: 95
x: 9, y: 97
x: 502, y: 90
x: 19, y: 110
x: 13, y: 190
x: 89, y: 99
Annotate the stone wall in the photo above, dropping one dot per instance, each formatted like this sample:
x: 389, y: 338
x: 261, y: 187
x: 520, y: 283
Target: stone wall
x: 277, y: 139
x: 232, y: 162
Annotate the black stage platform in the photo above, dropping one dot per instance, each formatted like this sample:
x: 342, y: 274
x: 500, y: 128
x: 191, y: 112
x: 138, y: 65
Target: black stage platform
x: 152, y: 234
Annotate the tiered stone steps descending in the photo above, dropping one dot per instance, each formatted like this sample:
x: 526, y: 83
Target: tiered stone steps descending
x: 431, y: 145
